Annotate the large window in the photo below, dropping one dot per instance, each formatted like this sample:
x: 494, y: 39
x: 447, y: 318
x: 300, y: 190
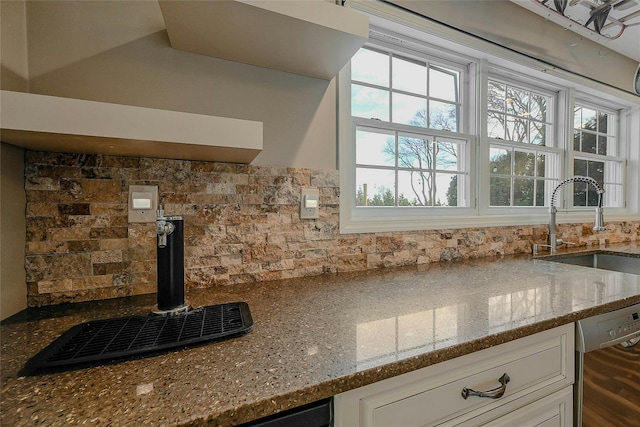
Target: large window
x: 407, y: 114
x: 436, y: 134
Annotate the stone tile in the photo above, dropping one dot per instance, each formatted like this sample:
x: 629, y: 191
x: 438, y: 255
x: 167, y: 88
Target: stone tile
x: 101, y: 257
x: 49, y: 286
x: 74, y: 209
x: 42, y: 209
x: 46, y: 247
x: 92, y: 282
x: 68, y: 234
x: 57, y: 266
x: 241, y: 225
x: 108, y: 232
x: 83, y: 245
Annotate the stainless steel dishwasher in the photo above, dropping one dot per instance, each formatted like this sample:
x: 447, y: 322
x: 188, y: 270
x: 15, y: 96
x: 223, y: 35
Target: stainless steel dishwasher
x: 607, y: 389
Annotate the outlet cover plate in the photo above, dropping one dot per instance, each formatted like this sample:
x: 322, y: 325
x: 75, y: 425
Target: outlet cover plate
x: 309, y: 194
x: 146, y: 195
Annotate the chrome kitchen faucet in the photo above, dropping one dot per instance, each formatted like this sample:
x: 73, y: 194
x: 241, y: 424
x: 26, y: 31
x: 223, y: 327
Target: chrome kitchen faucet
x: 553, y: 241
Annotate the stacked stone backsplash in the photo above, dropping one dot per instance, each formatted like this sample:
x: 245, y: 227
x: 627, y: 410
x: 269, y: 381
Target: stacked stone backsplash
x: 241, y: 224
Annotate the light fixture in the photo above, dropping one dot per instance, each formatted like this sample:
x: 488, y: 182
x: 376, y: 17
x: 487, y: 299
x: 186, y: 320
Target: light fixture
x: 595, y: 16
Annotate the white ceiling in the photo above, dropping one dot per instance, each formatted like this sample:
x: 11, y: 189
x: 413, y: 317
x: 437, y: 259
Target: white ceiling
x: 620, y: 32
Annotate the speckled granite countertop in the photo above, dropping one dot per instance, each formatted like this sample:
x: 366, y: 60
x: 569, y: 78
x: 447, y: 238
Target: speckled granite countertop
x: 313, y: 338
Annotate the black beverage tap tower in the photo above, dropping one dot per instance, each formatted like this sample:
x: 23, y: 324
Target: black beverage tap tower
x: 170, y: 261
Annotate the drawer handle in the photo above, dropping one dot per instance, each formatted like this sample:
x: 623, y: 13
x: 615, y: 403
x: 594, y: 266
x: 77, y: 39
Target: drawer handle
x: 495, y: 393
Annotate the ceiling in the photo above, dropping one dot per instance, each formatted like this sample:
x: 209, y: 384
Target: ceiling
x: 615, y: 24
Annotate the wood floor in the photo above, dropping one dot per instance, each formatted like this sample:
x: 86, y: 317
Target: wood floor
x: 612, y: 387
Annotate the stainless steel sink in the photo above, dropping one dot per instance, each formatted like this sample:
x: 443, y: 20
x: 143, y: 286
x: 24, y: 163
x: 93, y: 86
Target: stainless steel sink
x: 621, y: 263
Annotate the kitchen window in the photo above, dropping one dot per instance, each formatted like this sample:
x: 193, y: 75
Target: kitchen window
x: 407, y: 114
x: 595, y: 154
x: 442, y: 132
x: 523, y: 166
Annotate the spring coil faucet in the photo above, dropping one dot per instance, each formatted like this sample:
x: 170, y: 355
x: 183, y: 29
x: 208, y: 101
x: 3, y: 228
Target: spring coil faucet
x: 553, y: 241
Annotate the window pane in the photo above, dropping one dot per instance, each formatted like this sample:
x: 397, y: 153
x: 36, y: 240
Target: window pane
x: 596, y: 170
x: 524, y: 163
x: 496, y: 96
x: 576, y: 140
x: 443, y: 84
x: 443, y: 116
x: 370, y: 67
x: 588, y: 119
x: 538, y: 133
x: 415, y: 152
x: 409, y: 76
x: 415, y: 187
x: 373, y: 148
x: 588, y: 142
x: 577, y: 117
x: 580, y: 167
x: 584, y: 194
x: 409, y: 110
x: 447, y: 190
x: 369, y: 103
x: 447, y: 155
x: 500, y: 192
x: 517, y: 102
x: 602, y: 145
x: 500, y: 160
x: 602, y: 122
x: 517, y: 129
x: 523, y: 192
x: 495, y: 125
x: 375, y: 187
x: 538, y: 107
x: 545, y: 165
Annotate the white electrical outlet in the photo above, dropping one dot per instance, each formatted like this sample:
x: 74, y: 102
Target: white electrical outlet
x: 309, y: 203
x: 143, y: 203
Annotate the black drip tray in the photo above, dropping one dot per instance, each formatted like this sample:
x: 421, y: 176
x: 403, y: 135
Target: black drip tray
x: 134, y: 335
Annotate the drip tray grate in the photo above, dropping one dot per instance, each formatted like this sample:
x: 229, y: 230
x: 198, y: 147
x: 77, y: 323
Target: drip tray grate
x: 134, y: 335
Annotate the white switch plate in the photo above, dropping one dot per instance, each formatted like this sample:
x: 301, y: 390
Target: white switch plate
x: 311, y: 195
x: 147, y: 196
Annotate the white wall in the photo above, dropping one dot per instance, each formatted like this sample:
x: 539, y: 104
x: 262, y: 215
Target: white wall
x: 119, y: 52
x: 13, y: 46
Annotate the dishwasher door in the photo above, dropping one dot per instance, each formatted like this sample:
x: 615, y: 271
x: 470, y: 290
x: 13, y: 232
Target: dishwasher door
x: 611, y: 386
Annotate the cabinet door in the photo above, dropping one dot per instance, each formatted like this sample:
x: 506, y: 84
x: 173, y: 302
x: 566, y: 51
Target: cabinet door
x: 537, y: 365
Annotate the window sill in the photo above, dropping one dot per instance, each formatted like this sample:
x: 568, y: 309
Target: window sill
x: 350, y: 225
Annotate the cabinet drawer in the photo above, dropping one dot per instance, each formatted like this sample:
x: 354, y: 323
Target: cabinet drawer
x: 536, y: 365
x: 555, y: 410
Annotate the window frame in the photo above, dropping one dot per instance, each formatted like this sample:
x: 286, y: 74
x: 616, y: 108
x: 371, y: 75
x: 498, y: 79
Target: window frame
x: 507, y: 77
x: 621, y: 156
x: 430, y: 62
x: 397, y: 28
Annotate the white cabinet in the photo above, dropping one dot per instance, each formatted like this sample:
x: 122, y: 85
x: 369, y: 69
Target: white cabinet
x: 537, y: 366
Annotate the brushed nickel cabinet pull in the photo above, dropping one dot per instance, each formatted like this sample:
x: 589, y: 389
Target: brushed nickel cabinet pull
x: 495, y: 393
